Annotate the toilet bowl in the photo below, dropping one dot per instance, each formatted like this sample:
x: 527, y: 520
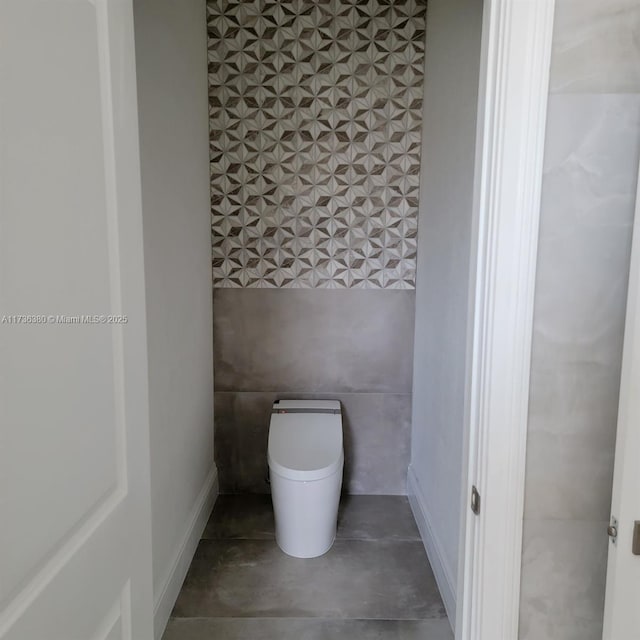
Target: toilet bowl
x: 306, y: 458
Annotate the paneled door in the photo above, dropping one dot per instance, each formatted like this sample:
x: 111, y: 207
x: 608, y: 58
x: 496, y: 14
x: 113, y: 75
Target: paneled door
x: 622, y: 603
x: 75, y: 556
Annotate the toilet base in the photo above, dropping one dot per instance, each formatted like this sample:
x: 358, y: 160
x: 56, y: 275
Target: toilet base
x: 306, y: 514
x: 315, y: 553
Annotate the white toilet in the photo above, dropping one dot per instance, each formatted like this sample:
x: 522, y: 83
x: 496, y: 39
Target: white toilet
x: 306, y: 458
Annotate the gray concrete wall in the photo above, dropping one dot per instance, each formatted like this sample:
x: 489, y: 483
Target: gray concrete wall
x: 351, y: 345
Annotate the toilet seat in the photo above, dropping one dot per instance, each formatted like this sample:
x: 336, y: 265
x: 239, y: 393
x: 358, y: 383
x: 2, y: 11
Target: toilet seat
x: 305, y: 442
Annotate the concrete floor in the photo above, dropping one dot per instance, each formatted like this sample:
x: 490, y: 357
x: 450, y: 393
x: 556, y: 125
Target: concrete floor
x: 375, y: 582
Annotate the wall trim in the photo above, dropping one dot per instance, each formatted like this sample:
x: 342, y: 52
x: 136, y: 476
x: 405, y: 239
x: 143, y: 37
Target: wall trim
x: 185, y: 551
x: 433, y: 546
x: 512, y: 108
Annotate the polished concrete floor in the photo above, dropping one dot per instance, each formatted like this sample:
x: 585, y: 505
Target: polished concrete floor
x: 375, y: 582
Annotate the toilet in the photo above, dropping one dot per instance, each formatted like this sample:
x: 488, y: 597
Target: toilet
x: 306, y: 458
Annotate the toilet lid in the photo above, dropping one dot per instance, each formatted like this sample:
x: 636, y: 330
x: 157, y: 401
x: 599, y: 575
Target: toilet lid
x: 305, y: 446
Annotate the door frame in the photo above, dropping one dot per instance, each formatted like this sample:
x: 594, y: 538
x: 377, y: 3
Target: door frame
x: 512, y: 110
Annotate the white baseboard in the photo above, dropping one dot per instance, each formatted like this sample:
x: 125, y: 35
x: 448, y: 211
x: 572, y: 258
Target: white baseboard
x: 441, y: 570
x: 184, y: 553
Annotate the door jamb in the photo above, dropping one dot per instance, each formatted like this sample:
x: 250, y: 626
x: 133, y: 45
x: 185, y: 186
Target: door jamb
x: 619, y: 600
x: 512, y: 109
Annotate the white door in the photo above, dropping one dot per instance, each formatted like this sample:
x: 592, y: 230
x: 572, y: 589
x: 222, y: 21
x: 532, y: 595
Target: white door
x: 622, y: 605
x: 75, y: 556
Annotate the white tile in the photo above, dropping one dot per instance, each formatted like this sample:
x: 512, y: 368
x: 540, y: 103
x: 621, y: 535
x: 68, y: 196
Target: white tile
x: 596, y: 46
x: 563, y: 579
x: 591, y: 168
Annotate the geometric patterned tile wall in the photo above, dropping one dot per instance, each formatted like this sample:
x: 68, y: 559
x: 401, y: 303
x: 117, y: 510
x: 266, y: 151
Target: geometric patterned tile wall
x: 315, y: 118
